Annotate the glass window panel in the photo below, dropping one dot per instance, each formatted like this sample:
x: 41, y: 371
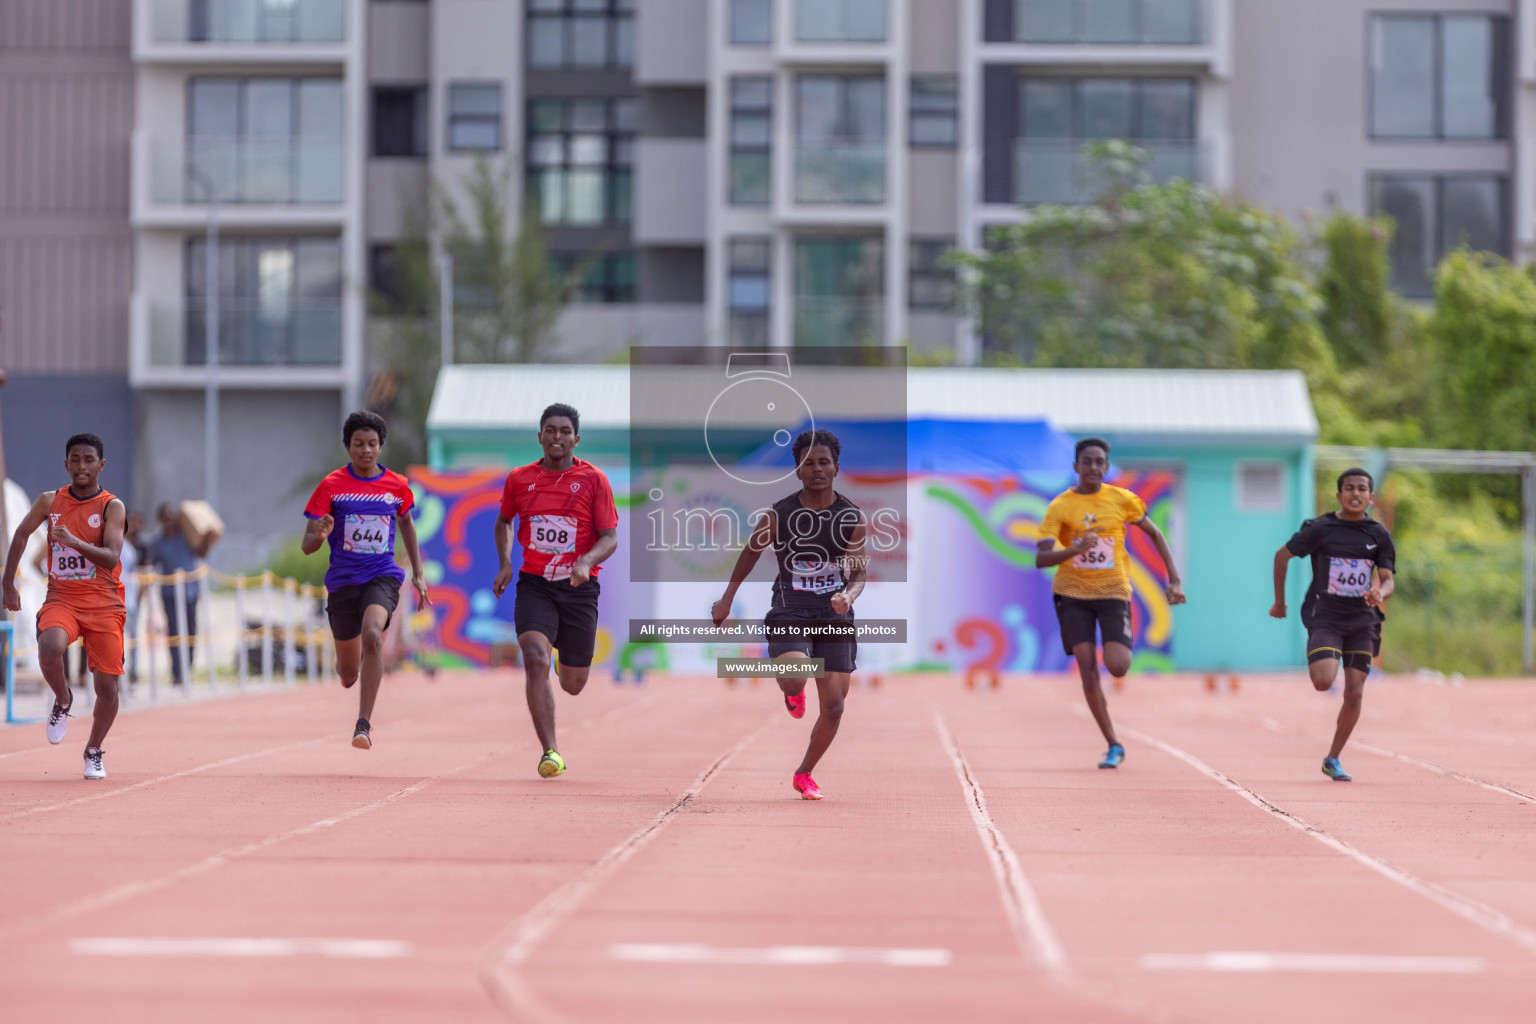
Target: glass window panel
x: 750, y: 181
x: 482, y: 98
x: 624, y: 42
x: 623, y: 151
x: 751, y: 22
x: 1046, y: 109
x: 1110, y: 21
x: 546, y: 42
x: 477, y: 134
x: 1108, y: 105
x: 274, y: 282
x: 935, y: 93
x: 587, y: 197
x: 215, y: 108
x: 550, y: 186
x: 819, y: 108
x: 751, y: 130
x: 934, y: 130
x: 1403, y: 76
x: 548, y: 115
x: 268, y: 109
x: 817, y: 21
x: 1472, y: 214
x: 1410, y: 202
x: 320, y: 108
x: 547, y: 151
x: 622, y: 184
x: 1171, y: 21
x: 589, y: 115
x: 866, y: 109
x: 749, y: 291
x: 589, y: 149
x: 626, y: 115
x: 1468, y: 76
x: 589, y: 5
x: 752, y: 92
x: 318, y: 268
x: 546, y: 5
x: 589, y: 42
x: 748, y: 254
x: 864, y: 20
x: 1045, y: 21
x: 1167, y: 110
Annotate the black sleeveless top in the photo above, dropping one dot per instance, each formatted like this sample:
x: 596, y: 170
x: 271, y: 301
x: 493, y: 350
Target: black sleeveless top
x: 812, y: 547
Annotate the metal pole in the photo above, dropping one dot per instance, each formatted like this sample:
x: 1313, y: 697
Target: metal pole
x: 242, y: 644
x: 288, y: 645
x: 183, y: 649
x: 445, y: 303
x: 266, y: 629
x: 1528, y: 610
x: 205, y: 631
x: 211, y: 389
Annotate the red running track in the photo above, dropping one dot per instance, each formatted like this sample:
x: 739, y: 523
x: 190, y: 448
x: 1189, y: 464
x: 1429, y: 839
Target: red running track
x: 970, y: 862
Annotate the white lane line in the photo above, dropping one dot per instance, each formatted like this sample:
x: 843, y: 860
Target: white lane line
x: 499, y: 966
x: 1449, y: 773
x: 1484, y: 917
x: 776, y: 956
x: 360, y: 949
x: 1037, y: 940
x: 1337, y: 963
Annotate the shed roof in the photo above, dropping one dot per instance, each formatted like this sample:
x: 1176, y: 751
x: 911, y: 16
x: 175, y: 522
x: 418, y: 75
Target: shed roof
x: 1250, y: 405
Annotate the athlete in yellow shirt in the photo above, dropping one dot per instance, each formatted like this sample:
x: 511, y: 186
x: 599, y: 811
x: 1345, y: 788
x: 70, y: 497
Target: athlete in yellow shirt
x: 1092, y: 584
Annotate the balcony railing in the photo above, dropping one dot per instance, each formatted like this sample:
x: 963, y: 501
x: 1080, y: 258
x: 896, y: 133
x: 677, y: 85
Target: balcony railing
x: 848, y: 173
x: 1111, y: 22
x: 1057, y: 171
x: 247, y: 171
x: 837, y: 321
x: 290, y: 331
x: 250, y: 21
x: 840, y: 21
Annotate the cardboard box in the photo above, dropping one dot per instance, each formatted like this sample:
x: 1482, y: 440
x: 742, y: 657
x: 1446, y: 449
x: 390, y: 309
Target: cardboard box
x: 201, y: 525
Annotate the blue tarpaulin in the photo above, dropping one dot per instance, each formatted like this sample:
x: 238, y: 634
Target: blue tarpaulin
x: 992, y: 448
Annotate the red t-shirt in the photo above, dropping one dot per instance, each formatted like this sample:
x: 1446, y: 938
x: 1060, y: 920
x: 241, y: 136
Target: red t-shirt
x: 559, y: 514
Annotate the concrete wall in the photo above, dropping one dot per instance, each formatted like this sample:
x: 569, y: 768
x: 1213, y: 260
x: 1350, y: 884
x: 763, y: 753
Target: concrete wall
x: 38, y: 412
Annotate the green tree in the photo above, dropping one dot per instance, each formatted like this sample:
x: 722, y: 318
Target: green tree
x: 508, y: 297
x: 1484, y: 326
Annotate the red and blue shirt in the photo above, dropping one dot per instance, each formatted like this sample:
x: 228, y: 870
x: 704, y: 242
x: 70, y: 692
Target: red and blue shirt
x: 559, y: 514
x: 363, y: 537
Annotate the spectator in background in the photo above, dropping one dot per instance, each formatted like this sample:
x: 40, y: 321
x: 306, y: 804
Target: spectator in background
x: 171, y: 552
x: 129, y: 560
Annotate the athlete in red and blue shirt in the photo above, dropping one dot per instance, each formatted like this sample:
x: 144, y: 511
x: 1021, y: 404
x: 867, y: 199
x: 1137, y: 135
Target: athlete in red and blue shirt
x: 567, y: 524
x: 356, y: 510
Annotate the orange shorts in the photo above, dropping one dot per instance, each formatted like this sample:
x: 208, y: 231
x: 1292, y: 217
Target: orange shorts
x: 102, y: 629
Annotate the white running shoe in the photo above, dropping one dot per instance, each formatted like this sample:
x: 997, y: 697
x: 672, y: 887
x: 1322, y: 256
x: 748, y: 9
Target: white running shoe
x: 58, y: 721
x: 93, y: 768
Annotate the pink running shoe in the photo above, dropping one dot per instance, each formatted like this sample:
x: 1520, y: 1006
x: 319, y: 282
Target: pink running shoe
x: 796, y: 705
x: 807, y: 787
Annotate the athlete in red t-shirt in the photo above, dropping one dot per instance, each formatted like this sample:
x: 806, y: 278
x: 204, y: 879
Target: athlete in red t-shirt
x: 85, y: 595
x: 567, y: 525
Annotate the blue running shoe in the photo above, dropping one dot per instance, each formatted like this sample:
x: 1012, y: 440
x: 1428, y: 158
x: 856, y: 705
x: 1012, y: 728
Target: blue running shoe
x: 1114, y: 757
x: 1335, y: 771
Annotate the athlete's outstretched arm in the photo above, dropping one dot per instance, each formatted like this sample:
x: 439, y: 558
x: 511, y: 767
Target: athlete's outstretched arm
x: 1386, y: 583
x: 858, y: 571
x: 106, y: 556
x: 315, y: 532
x: 1282, y: 564
x: 607, y: 543
x: 413, y: 553
x: 504, y: 571
x: 1175, y: 585
x: 36, y: 516
x: 1047, y: 554
x: 762, y: 536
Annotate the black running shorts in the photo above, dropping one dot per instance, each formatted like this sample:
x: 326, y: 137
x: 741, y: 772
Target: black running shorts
x: 565, y: 614
x: 346, y: 605
x: 838, y: 655
x: 1354, y: 643
x: 1078, y: 617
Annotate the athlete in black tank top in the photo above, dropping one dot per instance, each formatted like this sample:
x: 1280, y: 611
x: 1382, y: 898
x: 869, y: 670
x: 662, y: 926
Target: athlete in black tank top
x: 818, y: 538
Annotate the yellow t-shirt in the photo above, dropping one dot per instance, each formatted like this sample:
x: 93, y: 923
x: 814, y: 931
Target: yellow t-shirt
x: 1100, y: 572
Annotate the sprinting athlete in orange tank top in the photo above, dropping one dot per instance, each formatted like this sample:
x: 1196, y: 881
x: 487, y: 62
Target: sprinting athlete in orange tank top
x: 85, y: 593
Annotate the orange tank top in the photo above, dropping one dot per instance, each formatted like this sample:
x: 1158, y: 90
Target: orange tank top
x: 72, y: 578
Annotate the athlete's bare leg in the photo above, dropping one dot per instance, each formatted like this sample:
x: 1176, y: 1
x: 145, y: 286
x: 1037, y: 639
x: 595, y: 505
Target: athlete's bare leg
x: 793, y: 686
x: 832, y: 690
x: 1088, y: 668
x: 371, y: 645
x: 1323, y: 673
x: 1349, y: 714
x: 52, y: 646
x: 106, y: 709
x: 541, y: 699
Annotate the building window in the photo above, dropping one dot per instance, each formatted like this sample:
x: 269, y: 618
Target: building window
x: 840, y: 21
x: 839, y: 290
x: 935, y: 109
x: 1439, y: 76
x: 609, y: 278
x: 1261, y: 486
x: 581, y: 33
x: 279, y: 301
x: 840, y: 139
x: 264, y: 140
x: 751, y: 22
x: 751, y: 141
x: 1434, y: 216
x: 930, y: 284
x: 749, y: 291
x: 474, y: 116
x: 580, y: 154
x: 1110, y: 22
x: 400, y: 120
x: 386, y: 278
x: 253, y: 21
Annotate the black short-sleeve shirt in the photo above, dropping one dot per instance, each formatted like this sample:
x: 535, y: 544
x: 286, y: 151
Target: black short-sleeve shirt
x: 1343, y: 553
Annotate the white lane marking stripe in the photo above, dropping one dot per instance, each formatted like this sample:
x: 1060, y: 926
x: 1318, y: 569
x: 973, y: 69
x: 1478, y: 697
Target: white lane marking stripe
x: 366, y: 949
x: 1450, y: 773
x: 498, y: 970
x: 689, y: 953
x: 1483, y: 916
x: 1342, y: 963
x: 1037, y: 940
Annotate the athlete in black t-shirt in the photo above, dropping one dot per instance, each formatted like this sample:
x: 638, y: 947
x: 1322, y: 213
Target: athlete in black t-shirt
x: 1352, y: 564
x: 818, y: 536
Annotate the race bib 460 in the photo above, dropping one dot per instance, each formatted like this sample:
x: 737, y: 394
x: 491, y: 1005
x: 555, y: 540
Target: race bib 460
x: 1349, y: 577
x: 367, y: 535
